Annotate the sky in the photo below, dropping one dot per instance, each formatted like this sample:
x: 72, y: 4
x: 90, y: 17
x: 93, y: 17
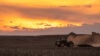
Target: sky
x: 49, y: 17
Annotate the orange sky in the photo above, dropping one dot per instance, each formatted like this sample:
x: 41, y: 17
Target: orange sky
x: 49, y: 2
x: 42, y: 14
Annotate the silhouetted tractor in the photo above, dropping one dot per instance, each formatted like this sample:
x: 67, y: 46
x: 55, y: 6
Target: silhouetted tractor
x: 63, y: 43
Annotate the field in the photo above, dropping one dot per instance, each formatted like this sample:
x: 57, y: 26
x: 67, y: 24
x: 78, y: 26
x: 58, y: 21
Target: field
x: 40, y: 46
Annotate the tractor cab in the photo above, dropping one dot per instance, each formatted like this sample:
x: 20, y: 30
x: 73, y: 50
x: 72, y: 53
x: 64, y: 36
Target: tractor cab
x: 62, y: 42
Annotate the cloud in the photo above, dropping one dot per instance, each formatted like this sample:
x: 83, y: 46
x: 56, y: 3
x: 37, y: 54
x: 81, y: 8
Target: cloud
x: 85, y: 29
x: 80, y: 14
x: 73, y: 14
x: 41, y: 12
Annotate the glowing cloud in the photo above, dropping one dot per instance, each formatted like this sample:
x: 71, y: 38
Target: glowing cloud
x: 18, y: 23
x: 42, y: 14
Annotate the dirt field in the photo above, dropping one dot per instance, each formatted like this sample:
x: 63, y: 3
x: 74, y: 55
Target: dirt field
x: 40, y: 46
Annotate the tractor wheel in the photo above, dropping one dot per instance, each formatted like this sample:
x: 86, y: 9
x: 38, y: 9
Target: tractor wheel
x: 58, y: 44
x: 71, y: 44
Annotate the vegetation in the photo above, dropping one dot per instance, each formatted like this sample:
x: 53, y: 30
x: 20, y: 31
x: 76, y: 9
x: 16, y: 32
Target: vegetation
x: 40, y: 46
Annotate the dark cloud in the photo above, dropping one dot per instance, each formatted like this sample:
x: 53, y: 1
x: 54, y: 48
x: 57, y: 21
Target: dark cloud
x: 45, y: 24
x: 55, y: 13
x: 15, y: 27
x: 87, y: 6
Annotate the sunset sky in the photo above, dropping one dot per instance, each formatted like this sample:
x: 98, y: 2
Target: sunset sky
x: 42, y: 17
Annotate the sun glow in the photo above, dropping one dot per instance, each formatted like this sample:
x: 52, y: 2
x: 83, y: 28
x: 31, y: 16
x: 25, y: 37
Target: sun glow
x: 17, y: 23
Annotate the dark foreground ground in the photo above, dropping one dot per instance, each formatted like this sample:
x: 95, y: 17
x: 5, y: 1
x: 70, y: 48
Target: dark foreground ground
x: 40, y: 46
